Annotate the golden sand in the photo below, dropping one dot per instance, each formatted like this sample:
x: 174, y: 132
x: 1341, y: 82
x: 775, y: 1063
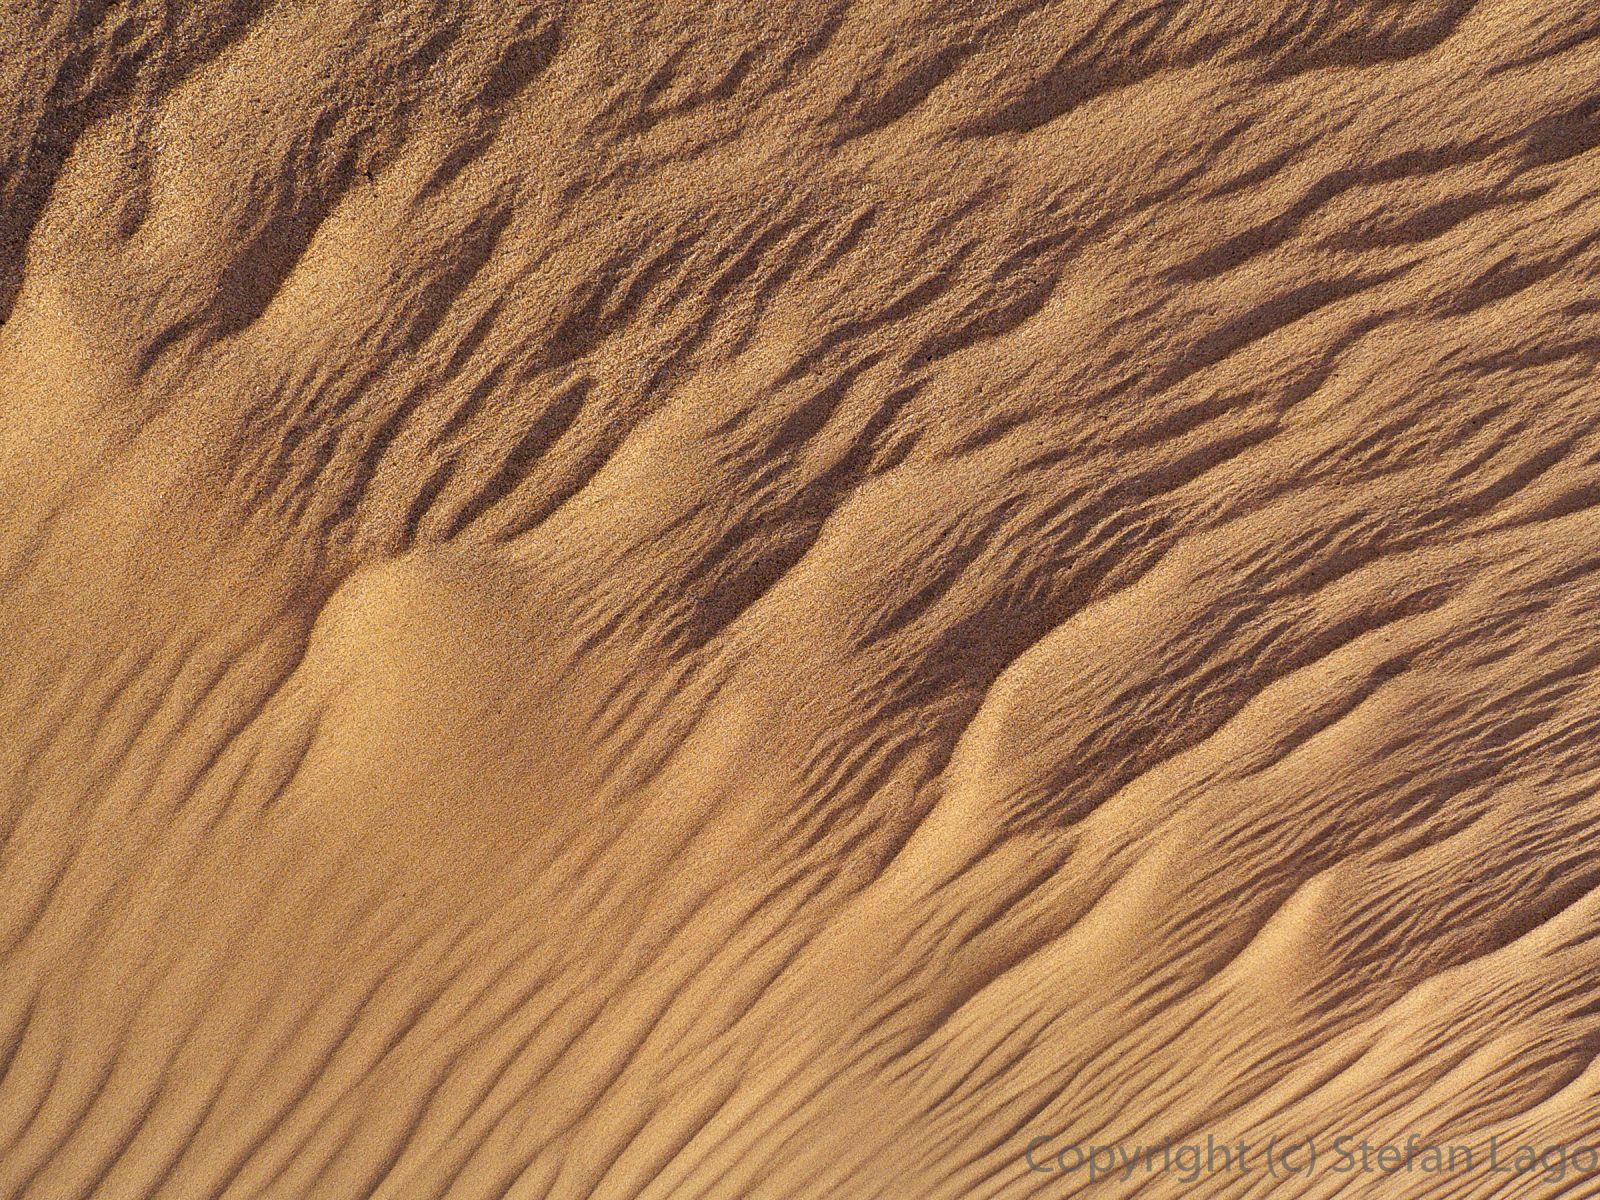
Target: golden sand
x: 798, y: 601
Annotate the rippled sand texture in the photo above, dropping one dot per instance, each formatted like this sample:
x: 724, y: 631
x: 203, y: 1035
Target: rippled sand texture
x: 757, y: 601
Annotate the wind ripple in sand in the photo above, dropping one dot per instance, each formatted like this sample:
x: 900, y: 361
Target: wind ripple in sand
x: 782, y: 601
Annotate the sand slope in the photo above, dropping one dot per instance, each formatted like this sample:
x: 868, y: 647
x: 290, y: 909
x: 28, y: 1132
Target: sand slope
x: 776, y: 601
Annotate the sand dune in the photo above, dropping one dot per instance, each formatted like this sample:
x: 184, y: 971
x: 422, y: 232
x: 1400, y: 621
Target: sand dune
x: 799, y: 600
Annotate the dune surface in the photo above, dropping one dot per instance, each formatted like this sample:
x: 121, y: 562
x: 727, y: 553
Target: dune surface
x: 799, y: 601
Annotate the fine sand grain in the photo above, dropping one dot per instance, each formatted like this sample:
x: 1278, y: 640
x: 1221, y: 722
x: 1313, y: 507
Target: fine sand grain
x: 799, y: 600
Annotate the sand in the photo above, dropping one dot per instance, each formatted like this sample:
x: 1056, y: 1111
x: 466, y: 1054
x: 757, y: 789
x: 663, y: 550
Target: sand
x: 830, y: 600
